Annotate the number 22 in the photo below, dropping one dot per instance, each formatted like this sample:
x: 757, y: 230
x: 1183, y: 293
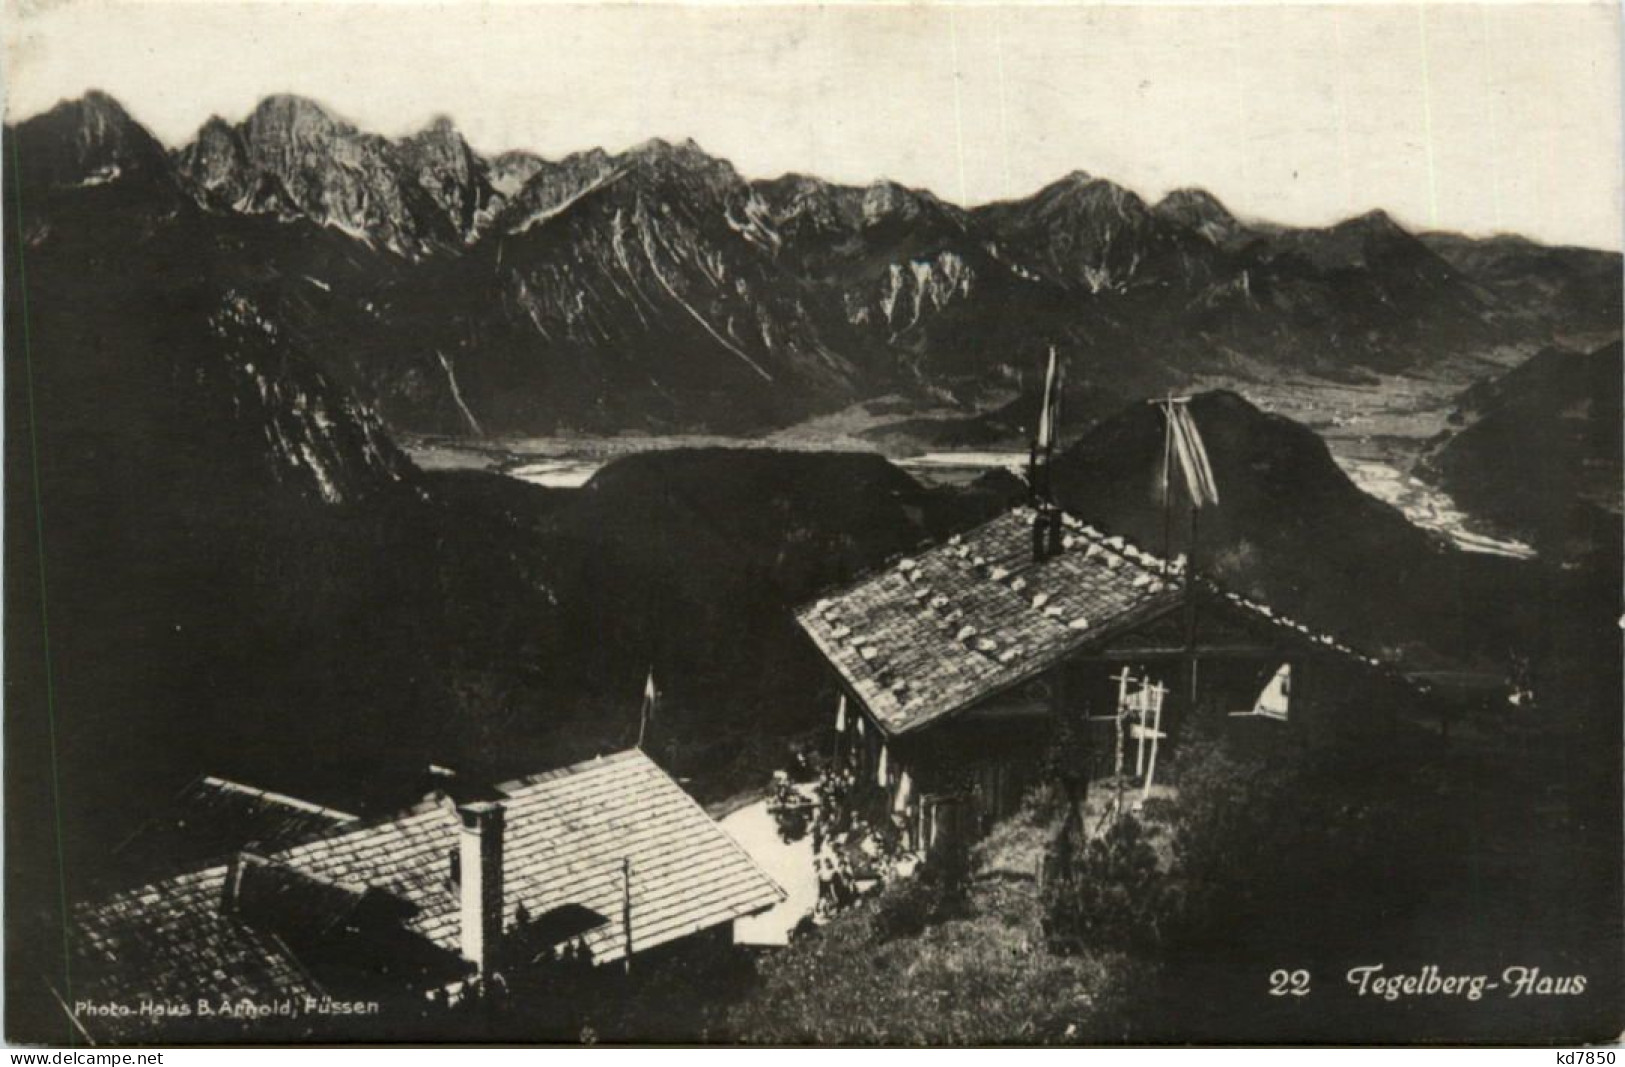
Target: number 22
x: 1284, y: 983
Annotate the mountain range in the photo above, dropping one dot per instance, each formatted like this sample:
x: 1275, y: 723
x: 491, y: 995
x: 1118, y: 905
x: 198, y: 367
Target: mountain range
x: 658, y: 289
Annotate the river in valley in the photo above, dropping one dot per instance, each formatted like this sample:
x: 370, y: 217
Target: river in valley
x: 569, y: 463
x: 1427, y: 507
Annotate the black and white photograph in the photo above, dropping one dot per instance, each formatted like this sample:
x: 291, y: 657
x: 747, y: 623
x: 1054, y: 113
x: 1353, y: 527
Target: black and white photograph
x: 813, y: 524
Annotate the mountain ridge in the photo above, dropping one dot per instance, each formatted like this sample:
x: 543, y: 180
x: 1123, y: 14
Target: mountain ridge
x: 521, y: 157
x: 658, y: 288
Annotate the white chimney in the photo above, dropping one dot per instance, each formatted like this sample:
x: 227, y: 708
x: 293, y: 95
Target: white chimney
x: 479, y: 863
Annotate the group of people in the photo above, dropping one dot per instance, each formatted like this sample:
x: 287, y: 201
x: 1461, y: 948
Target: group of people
x: 835, y: 889
x: 851, y: 851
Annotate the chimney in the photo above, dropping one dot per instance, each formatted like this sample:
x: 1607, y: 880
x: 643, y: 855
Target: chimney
x: 479, y: 852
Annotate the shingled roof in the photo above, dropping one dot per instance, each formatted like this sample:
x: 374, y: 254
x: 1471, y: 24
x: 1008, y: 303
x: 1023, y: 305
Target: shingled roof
x: 568, y: 833
x: 936, y: 633
x: 212, y: 816
x: 171, y: 943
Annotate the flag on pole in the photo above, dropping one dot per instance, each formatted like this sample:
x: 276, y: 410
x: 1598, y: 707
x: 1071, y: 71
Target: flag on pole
x: 1187, y: 443
x: 651, y: 697
x: 1049, y: 419
x: 1275, y: 700
x: 840, y: 715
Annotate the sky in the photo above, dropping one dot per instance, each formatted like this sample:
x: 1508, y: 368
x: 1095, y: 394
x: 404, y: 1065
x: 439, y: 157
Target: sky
x: 1476, y: 117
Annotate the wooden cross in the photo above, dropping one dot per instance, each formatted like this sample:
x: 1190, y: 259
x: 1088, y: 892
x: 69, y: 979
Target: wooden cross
x: 1153, y: 730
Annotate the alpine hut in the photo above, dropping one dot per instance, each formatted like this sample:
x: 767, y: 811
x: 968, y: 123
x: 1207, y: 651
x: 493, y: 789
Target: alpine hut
x: 961, y: 662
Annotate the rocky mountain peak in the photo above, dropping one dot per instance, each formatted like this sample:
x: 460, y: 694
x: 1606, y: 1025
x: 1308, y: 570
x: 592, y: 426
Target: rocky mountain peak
x: 1100, y: 193
x: 509, y: 171
x: 217, y: 129
x: 1193, y: 199
x: 810, y: 205
x: 293, y: 157
x: 683, y: 169
x: 100, y: 110
x: 443, y: 164
x: 548, y: 187
x: 221, y: 176
x: 1076, y: 200
x: 439, y: 138
x: 88, y: 141
x: 1201, y: 211
x: 287, y: 110
x: 285, y: 130
x: 440, y: 144
x: 441, y: 128
x: 684, y: 155
x: 883, y: 199
x: 1355, y: 242
x: 887, y: 200
x: 660, y: 147
x: 216, y: 156
x: 1375, y: 222
x: 292, y: 134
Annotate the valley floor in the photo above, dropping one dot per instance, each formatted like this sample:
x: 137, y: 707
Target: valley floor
x: 1375, y: 431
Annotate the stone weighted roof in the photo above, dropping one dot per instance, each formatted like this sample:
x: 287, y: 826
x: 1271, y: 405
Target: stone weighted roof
x: 937, y: 632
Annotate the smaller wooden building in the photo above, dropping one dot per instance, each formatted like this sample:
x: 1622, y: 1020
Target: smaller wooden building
x: 961, y: 661
x: 595, y: 862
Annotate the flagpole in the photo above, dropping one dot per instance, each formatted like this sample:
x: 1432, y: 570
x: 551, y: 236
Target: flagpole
x: 1203, y: 489
x: 626, y: 909
x: 1168, y: 483
x: 648, y: 707
x: 1046, y: 519
x: 1053, y: 533
x: 1190, y: 608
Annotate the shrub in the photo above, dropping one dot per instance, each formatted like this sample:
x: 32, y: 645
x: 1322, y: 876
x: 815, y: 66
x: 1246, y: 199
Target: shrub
x: 1111, y: 893
x: 979, y: 980
x: 1253, y: 839
x: 939, y: 892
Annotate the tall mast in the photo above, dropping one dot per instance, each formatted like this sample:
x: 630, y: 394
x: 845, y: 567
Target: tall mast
x: 1046, y: 517
x: 1181, y: 437
x: 1167, y: 483
x: 1043, y: 449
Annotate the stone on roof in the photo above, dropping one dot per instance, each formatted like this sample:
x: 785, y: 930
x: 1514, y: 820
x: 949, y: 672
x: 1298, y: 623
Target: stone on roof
x: 984, y: 580
x: 1015, y: 617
